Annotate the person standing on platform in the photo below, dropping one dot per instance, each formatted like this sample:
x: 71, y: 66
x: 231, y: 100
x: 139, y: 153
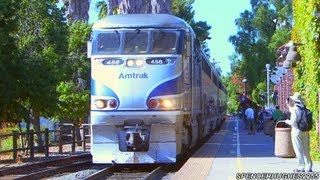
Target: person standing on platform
x: 249, y: 113
x: 300, y: 139
x: 262, y: 113
x: 277, y: 114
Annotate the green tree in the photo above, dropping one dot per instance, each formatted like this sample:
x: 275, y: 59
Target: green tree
x: 102, y: 5
x: 74, y: 99
x: 260, y: 89
x: 42, y: 45
x: 184, y: 10
x: 306, y: 30
x: 233, y: 95
x: 258, y: 37
x: 10, y: 68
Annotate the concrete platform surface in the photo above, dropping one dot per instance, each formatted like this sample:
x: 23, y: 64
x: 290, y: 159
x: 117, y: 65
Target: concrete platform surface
x: 233, y: 154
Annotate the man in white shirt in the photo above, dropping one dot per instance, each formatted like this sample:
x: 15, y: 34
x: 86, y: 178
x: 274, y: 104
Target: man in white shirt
x: 249, y: 113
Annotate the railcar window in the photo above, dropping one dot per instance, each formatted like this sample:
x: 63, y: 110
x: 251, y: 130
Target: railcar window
x: 164, y: 42
x: 108, y: 42
x: 206, y: 68
x: 214, y: 79
x: 135, y: 42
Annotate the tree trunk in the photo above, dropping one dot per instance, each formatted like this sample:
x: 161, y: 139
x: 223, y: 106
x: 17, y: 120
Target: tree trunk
x: 161, y: 6
x: 78, y: 134
x: 36, y: 125
x: 28, y: 123
x: 77, y: 10
x: 139, y: 6
x: 111, y: 5
x: 21, y: 136
x: 131, y: 7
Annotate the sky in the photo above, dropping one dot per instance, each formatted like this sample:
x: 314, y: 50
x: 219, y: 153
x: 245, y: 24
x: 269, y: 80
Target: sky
x: 220, y: 15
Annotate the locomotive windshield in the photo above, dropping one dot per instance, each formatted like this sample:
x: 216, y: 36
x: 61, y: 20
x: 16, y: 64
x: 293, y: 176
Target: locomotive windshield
x: 137, y: 41
x: 108, y: 42
x: 164, y: 42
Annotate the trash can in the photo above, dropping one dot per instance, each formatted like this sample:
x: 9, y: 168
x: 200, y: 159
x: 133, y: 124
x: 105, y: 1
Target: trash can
x: 283, y: 145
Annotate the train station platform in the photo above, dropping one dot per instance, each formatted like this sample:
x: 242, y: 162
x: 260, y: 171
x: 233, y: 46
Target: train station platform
x: 231, y: 152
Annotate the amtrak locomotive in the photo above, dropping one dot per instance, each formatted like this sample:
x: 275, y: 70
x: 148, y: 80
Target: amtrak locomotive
x: 154, y: 93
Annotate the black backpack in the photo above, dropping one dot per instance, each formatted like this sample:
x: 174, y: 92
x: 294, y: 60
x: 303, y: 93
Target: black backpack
x: 305, y: 123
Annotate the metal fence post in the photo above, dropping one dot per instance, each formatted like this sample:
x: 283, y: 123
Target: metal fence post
x: 60, y: 140
x: 14, y: 145
x: 84, y: 138
x: 73, y: 138
x: 31, y: 144
x: 46, y: 137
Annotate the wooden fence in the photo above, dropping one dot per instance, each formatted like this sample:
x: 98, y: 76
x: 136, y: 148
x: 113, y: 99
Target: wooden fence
x: 66, y: 136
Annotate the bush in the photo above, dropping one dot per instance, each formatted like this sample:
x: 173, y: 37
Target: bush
x: 314, y: 148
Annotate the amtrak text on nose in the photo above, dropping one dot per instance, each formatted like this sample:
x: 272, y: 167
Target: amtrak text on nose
x: 133, y: 76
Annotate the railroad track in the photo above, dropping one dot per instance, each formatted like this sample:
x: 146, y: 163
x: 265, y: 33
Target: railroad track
x: 46, y: 168
x: 81, y: 167
x: 126, y: 172
x: 62, y: 168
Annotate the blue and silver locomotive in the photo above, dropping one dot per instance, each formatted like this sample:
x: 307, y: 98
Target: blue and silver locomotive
x: 154, y: 94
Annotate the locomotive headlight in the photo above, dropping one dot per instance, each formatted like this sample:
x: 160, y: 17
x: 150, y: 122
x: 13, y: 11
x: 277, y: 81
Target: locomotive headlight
x: 139, y: 62
x: 100, y: 103
x: 162, y: 104
x: 167, y: 103
x: 130, y: 62
x: 134, y: 63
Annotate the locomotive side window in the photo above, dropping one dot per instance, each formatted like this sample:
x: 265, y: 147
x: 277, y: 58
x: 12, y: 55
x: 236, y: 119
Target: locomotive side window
x: 164, y: 42
x: 135, y: 42
x: 108, y: 42
x: 206, y: 67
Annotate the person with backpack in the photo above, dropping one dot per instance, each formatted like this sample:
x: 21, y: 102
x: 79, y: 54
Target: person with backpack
x: 299, y: 133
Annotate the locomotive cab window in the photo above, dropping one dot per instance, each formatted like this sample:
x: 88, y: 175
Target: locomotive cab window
x: 136, y: 42
x: 164, y: 42
x: 108, y: 42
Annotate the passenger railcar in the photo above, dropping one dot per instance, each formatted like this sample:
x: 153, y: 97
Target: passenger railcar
x: 154, y: 93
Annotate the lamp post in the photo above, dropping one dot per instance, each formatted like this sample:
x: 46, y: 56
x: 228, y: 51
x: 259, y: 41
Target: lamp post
x: 292, y: 55
x: 268, y: 85
x: 244, y: 87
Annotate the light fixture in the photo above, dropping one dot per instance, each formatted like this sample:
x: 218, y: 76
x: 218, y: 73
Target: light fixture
x: 100, y: 103
x: 293, y: 54
x: 316, y: 13
x: 268, y: 85
x: 281, y: 70
x: 286, y: 64
x: 134, y: 63
x: 167, y: 103
x: 245, y: 80
x: 161, y: 104
x: 275, y: 79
